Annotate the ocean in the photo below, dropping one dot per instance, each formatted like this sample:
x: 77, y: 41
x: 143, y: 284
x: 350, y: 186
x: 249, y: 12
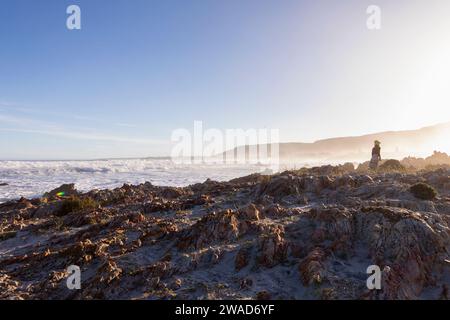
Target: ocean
x: 31, y: 179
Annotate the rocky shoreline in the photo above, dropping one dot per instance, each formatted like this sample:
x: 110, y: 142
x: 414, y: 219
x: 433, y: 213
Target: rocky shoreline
x: 305, y: 234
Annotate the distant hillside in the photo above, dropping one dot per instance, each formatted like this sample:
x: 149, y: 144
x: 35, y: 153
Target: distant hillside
x: 395, y: 144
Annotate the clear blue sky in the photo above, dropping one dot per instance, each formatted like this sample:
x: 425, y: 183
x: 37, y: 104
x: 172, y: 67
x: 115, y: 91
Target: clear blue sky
x: 139, y: 69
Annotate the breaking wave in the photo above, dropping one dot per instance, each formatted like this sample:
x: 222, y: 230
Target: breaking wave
x: 33, y: 178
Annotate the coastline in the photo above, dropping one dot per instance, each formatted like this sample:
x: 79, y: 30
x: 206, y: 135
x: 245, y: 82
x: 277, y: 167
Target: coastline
x: 303, y: 234
x: 33, y: 179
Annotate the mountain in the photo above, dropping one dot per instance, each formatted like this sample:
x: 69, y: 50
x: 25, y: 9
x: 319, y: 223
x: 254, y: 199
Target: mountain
x: 395, y: 144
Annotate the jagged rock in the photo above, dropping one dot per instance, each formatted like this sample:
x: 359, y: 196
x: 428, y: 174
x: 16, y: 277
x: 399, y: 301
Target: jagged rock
x: 404, y: 241
x: 208, y: 186
x: 242, y: 258
x: 281, y: 186
x: 275, y: 210
x: 222, y: 226
x: 344, y: 181
x: 47, y: 210
x: 249, y: 180
x: 272, y: 248
x: 108, y: 272
x: 203, y: 199
x: 391, y: 165
x: 65, y: 190
x: 324, y: 170
x: 347, y: 167
x: 437, y: 159
x: 439, y: 178
x: 312, y: 268
x: 325, y: 182
x: 245, y: 283
x: 20, y: 204
x: 228, y: 240
x: 364, y: 180
x: 172, y: 193
x: 331, y: 223
x: 250, y: 213
x: 263, y: 295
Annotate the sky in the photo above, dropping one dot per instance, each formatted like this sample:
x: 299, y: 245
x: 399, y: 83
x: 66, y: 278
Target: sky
x: 138, y: 70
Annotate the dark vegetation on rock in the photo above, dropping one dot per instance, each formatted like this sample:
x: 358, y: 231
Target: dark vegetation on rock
x: 73, y: 204
x: 423, y: 191
x: 391, y: 165
x: 6, y: 235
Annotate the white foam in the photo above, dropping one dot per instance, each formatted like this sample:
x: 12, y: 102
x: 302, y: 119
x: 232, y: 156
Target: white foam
x: 33, y: 178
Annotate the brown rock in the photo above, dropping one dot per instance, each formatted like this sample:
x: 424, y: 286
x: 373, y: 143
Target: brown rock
x: 312, y: 269
x: 223, y: 226
x: 263, y: 295
x: 272, y: 248
x: 65, y: 190
x: 250, y: 213
x: 242, y: 258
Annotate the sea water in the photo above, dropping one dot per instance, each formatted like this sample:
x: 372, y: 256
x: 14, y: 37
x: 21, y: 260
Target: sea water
x: 33, y: 178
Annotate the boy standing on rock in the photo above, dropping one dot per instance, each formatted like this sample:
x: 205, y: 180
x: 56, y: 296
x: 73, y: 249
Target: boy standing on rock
x: 376, y: 155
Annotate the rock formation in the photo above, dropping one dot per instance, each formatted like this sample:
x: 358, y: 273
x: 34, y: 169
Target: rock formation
x: 304, y: 234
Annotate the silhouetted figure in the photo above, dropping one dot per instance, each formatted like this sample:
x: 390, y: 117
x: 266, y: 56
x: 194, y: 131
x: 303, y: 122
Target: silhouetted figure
x: 376, y: 155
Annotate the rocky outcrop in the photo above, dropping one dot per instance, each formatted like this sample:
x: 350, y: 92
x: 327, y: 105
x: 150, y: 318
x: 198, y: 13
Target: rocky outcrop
x: 272, y: 247
x: 223, y: 226
x: 312, y: 269
x: 65, y: 190
x: 305, y: 234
